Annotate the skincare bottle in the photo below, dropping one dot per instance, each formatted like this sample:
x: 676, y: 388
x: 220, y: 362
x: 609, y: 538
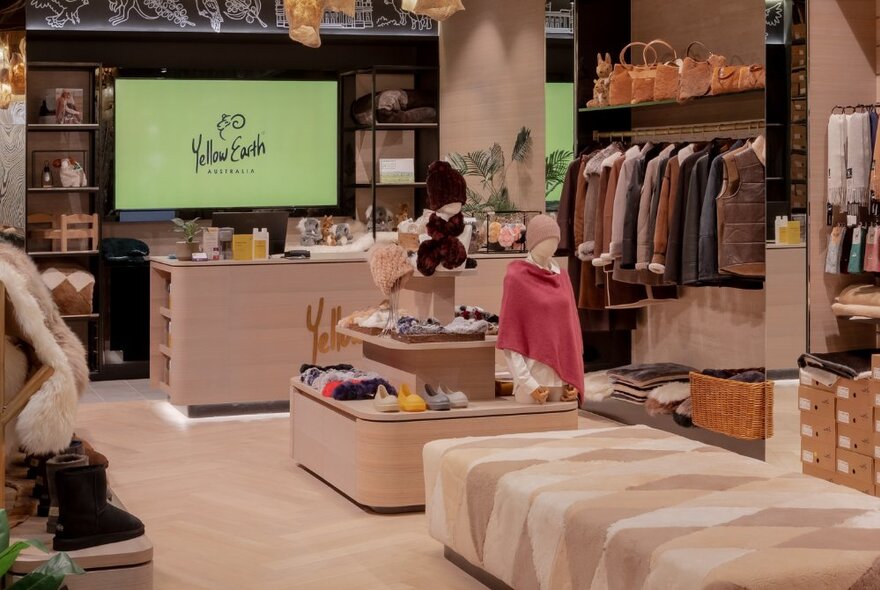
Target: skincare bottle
x: 781, y: 223
x: 261, y: 244
x: 47, y: 175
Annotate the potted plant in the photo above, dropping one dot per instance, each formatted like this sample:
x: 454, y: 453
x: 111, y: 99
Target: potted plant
x: 49, y: 576
x: 189, y: 229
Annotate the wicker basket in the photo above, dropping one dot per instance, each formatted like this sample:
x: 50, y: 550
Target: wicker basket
x: 740, y: 410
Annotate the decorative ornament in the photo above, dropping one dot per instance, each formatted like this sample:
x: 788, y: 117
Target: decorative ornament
x: 5, y: 76
x: 439, y: 10
x: 304, y: 18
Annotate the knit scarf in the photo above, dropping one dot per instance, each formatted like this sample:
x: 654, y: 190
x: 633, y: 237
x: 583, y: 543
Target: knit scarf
x: 858, y: 158
x: 439, y: 228
x: 875, y: 169
x: 836, y: 159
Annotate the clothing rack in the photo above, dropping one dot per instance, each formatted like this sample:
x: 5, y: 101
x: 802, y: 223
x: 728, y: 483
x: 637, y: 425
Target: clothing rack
x: 839, y: 109
x: 752, y: 126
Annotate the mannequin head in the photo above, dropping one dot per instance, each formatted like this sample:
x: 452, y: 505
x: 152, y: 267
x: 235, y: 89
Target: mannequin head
x: 542, y: 238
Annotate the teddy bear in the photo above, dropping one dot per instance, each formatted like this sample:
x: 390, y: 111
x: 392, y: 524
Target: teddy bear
x: 342, y: 234
x: 327, y: 231
x: 310, y: 230
x: 603, y: 81
x: 381, y: 218
x: 447, y: 193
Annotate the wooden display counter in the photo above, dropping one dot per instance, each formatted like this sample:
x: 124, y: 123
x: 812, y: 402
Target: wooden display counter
x: 234, y: 332
x: 375, y: 458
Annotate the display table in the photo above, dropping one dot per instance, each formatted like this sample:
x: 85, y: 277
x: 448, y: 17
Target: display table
x: 229, y: 334
x: 375, y: 458
x: 127, y: 565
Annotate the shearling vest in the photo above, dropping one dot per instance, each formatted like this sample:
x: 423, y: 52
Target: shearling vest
x: 742, y: 218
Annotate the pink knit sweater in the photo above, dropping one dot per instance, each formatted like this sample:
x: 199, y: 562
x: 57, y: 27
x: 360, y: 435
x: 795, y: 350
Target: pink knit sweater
x: 539, y: 320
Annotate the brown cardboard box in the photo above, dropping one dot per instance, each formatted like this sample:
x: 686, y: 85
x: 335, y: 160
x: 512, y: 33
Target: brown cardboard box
x: 855, y: 413
x: 798, y: 111
x: 874, y: 392
x: 855, y: 440
x: 818, y: 455
x: 798, y: 137
x: 875, y: 367
x: 798, y: 56
x: 820, y: 427
x: 877, y: 475
x: 854, y: 483
x: 816, y: 401
x: 815, y: 471
x: 855, y: 391
x: 855, y: 466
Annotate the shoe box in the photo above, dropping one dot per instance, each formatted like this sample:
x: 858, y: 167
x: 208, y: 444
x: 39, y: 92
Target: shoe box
x: 854, y: 471
x: 818, y: 430
x: 854, y: 404
x: 855, y: 440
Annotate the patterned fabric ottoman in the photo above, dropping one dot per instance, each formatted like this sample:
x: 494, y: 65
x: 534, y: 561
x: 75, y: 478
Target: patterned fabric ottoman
x: 72, y: 288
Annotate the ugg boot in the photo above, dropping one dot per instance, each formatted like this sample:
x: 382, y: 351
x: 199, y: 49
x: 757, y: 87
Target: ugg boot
x: 95, y: 458
x: 53, y: 466
x: 85, y: 518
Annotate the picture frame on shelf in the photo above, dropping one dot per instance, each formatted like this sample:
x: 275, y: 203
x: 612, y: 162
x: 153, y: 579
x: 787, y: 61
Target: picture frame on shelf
x: 66, y: 104
x: 53, y: 157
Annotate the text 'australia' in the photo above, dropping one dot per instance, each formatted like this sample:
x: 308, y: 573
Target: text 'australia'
x: 207, y: 155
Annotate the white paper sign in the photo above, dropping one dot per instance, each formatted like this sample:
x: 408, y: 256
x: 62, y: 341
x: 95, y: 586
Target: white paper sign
x: 842, y: 466
x: 804, y: 404
x: 807, y: 456
x: 396, y: 171
x: 807, y: 430
x: 844, y: 442
x: 842, y: 417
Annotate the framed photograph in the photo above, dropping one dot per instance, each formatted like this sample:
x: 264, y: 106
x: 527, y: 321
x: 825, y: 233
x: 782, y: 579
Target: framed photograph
x: 52, y: 159
x: 396, y: 171
x: 67, y: 104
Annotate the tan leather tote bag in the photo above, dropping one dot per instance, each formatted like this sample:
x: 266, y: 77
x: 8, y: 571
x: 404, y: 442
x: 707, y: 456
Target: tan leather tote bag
x: 668, y: 78
x: 696, y: 75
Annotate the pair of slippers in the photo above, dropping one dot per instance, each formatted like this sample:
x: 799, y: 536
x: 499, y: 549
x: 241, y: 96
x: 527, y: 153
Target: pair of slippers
x: 431, y: 399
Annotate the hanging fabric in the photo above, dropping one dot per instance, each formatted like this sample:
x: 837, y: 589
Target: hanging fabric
x: 304, y: 18
x: 438, y: 10
x: 858, y: 158
x: 837, y: 159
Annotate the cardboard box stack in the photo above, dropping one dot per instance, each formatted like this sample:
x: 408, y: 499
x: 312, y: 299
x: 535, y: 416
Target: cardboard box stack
x: 840, y: 431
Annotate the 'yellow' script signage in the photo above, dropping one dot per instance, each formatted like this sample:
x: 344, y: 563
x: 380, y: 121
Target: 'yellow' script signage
x: 328, y: 340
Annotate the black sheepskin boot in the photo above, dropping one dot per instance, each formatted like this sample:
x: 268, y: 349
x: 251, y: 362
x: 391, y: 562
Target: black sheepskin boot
x: 85, y: 518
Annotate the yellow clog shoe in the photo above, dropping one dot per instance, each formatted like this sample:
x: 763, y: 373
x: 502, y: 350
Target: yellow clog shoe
x: 408, y: 401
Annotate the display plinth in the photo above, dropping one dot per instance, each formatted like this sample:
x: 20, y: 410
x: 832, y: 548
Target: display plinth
x: 435, y: 295
x: 375, y: 458
x: 459, y: 366
x: 127, y: 565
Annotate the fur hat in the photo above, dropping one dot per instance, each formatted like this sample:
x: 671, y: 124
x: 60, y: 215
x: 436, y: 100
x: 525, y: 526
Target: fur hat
x: 541, y: 227
x: 445, y: 186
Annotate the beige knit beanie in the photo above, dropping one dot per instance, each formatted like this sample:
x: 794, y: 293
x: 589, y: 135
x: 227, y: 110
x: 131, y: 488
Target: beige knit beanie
x: 388, y: 265
x: 540, y: 228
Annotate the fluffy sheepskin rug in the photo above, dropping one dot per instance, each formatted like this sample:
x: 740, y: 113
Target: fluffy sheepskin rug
x: 671, y: 393
x: 597, y: 386
x: 46, y: 423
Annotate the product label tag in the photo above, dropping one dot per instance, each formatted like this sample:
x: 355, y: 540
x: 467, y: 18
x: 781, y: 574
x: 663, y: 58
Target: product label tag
x: 842, y: 417
x: 843, y: 442
x: 877, y: 373
x: 843, y: 392
x: 804, y: 404
x: 808, y: 457
x: 807, y: 430
x: 877, y: 452
x: 842, y: 466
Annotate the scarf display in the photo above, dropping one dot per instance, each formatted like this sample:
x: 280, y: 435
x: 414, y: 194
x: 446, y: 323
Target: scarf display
x: 836, y: 159
x: 858, y: 158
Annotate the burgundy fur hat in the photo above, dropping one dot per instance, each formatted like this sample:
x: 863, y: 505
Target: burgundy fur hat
x: 445, y: 186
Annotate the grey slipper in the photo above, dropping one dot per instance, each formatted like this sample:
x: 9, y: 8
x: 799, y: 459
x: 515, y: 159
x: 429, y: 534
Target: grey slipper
x: 435, y: 399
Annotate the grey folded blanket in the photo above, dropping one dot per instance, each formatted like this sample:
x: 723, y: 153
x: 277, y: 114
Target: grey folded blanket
x: 849, y: 364
x: 644, y: 376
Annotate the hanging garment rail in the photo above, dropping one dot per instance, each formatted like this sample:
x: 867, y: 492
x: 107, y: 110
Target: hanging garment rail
x: 753, y: 126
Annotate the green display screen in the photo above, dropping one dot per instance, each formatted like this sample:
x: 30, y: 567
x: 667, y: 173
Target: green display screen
x: 559, y: 104
x: 214, y: 144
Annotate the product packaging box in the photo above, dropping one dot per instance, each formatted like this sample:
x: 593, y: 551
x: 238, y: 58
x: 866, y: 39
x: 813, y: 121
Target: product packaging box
x: 877, y: 477
x: 875, y: 367
x: 818, y: 455
x: 242, y: 247
x: 855, y: 440
x: 854, y: 483
x: 821, y: 428
x: 854, y: 404
x: 877, y: 433
x: 812, y: 400
x: 815, y: 471
x: 855, y: 466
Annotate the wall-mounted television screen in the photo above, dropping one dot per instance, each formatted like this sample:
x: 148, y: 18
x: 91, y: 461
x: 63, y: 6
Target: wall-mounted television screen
x: 221, y: 144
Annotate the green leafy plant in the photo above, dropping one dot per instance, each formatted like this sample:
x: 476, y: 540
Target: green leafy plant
x: 48, y: 576
x: 556, y: 166
x: 491, y: 168
x: 189, y: 229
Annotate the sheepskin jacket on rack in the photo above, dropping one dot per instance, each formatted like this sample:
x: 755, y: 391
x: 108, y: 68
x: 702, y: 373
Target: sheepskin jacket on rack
x: 46, y: 423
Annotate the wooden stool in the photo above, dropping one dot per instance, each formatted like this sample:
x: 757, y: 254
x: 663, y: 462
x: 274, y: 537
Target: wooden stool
x: 62, y: 229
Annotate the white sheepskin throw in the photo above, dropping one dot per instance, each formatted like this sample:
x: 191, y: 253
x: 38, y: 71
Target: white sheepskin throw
x: 597, y: 386
x: 670, y: 393
x: 46, y: 423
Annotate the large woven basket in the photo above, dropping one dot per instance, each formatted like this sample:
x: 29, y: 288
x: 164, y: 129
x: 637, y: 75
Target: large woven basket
x: 740, y: 410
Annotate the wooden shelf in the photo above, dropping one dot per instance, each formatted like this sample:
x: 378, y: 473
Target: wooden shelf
x: 392, y: 344
x: 81, y: 317
x: 394, y: 127
x: 56, y: 127
x: 165, y: 350
x: 643, y: 105
x: 390, y: 185
x: 39, y: 254
x: 60, y: 189
x: 165, y: 312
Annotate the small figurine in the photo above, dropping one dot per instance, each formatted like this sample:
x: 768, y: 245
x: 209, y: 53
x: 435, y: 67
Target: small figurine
x: 380, y: 218
x: 342, y: 234
x: 402, y: 215
x: 65, y: 109
x: 603, y: 81
x: 310, y: 228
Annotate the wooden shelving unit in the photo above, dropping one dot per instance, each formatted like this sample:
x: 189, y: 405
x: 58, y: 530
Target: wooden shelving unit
x: 375, y: 458
x: 72, y: 139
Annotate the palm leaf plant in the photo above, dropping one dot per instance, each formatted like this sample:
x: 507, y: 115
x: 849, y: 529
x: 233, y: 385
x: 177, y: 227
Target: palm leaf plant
x: 556, y: 166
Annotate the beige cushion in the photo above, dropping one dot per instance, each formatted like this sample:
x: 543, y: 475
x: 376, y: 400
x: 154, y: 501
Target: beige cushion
x: 72, y: 288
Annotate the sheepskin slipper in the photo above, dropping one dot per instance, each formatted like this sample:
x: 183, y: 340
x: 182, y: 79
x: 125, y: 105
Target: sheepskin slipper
x: 597, y: 386
x: 683, y: 412
x: 655, y: 408
x: 668, y: 393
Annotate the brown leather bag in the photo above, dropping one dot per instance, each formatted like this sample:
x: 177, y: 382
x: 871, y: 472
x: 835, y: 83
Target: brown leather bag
x: 620, y: 91
x: 696, y: 75
x: 643, y: 76
x: 726, y: 80
x: 754, y: 77
x: 668, y: 78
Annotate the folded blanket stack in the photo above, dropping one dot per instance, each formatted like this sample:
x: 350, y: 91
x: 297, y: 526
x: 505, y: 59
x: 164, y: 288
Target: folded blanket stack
x: 343, y: 382
x: 827, y: 367
x: 664, y: 384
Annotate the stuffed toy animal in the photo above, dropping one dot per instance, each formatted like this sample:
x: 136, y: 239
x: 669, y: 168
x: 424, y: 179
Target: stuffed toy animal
x: 396, y: 106
x: 603, y: 81
x: 381, y: 218
x: 494, y: 232
x: 310, y: 228
x: 402, y: 215
x: 342, y: 234
x: 447, y: 192
x: 327, y: 230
